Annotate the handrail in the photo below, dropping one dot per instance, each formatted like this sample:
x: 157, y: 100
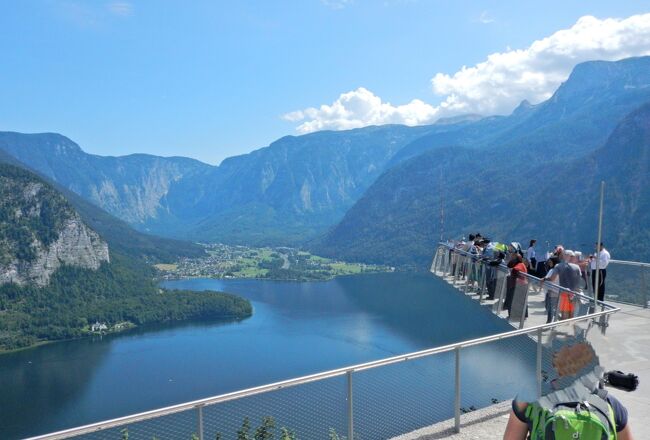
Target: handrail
x: 630, y: 263
x: 121, y: 421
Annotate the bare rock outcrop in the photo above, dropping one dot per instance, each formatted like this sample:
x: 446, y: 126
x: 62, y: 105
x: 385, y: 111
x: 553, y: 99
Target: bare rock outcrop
x: 41, y: 232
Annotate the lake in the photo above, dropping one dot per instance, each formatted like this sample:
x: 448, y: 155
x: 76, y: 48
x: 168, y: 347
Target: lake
x: 296, y: 329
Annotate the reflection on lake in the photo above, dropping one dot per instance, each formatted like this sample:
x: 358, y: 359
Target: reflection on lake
x: 296, y: 329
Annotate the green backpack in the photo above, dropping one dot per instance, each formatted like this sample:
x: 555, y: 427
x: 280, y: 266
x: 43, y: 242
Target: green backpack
x: 588, y: 420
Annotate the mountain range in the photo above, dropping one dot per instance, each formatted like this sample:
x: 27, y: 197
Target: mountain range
x: 536, y: 179
x: 291, y: 190
x: 377, y: 194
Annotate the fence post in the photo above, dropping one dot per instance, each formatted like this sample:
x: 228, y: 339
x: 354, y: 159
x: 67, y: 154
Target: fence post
x: 447, y: 263
x: 502, y: 291
x: 522, y: 320
x: 457, y: 392
x: 200, y: 421
x: 539, y: 363
x: 644, y: 290
x: 350, y: 408
x: 434, y: 263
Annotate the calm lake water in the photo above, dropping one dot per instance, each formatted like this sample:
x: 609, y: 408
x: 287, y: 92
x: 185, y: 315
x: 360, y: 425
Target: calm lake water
x: 296, y: 329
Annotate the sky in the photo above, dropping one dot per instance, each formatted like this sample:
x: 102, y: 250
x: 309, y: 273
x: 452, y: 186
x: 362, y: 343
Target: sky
x: 213, y: 79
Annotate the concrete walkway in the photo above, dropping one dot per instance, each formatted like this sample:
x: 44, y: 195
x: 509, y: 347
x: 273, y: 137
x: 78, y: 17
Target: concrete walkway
x: 483, y: 424
x: 625, y: 347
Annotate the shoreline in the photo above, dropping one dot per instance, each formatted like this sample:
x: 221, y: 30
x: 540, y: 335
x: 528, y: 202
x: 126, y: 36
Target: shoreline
x: 306, y: 280
x: 122, y: 330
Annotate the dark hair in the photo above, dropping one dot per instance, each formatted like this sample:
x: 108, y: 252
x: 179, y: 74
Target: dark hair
x: 532, y: 242
x: 518, y: 258
x: 471, y: 237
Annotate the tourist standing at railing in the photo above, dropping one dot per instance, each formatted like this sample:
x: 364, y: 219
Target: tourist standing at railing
x: 531, y: 256
x: 516, y: 283
x: 552, y: 294
x: 569, y: 277
x: 599, y: 264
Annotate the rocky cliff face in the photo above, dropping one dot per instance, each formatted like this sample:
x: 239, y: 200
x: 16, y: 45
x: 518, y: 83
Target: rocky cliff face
x: 40, y: 231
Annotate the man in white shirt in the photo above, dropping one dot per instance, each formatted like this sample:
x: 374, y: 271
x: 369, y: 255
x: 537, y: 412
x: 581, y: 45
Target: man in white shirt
x: 599, y: 263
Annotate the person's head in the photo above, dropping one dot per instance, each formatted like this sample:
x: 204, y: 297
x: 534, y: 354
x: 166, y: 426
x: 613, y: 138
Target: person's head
x: 601, y: 246
x: 471, y: 237
x: 552, y: 262
x: 559, y: 250
x: 568, y: 256
x: 517, y: 258
x: 532, y: 243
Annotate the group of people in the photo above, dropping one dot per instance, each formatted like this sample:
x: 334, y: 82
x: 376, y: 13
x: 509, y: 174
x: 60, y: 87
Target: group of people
x: 567, y: 271
x: 571, y: 270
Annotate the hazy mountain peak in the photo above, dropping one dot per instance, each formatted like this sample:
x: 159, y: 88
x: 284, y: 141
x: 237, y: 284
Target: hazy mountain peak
x: 469, y: 117
x: 597, y: 77
x: 523, y: 107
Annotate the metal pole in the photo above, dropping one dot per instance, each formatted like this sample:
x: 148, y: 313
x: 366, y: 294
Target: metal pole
x: 644, y: 290
x: 539, y: 363
x: 200, y: 421
x: 350, y: 408
x: 457, y: 392
x: 600, y: 238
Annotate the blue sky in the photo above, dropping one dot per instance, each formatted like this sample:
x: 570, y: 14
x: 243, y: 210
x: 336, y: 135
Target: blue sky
x: 213, y: 79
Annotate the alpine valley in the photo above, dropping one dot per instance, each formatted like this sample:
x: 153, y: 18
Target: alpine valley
x: 379, y: 194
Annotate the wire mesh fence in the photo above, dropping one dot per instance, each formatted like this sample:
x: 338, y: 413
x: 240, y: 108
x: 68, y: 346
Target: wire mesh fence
x: 403, y: 397
x: 390, y: 397
x: 627, y: 282
x: 310, y: 410
x: 379, y: 400
x: 182, y: 426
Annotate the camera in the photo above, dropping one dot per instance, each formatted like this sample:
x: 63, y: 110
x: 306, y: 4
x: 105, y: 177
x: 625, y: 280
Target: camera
x: 621, y: 381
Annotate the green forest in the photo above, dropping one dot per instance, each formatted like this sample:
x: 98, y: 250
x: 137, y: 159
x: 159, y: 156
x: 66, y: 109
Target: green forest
x: 17, y: 231
x: 122, y: 291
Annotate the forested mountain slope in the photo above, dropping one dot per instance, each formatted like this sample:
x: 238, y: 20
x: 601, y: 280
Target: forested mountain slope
x: 58, y: 276
x: 510, y: 190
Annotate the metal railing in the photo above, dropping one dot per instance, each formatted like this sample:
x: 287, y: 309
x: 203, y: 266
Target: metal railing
x: 196, y: 425
x: 520, y: 298
x: 627, y: 282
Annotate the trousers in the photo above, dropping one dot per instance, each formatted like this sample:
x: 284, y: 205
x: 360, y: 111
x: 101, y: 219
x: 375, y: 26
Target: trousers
x: 601, y: 283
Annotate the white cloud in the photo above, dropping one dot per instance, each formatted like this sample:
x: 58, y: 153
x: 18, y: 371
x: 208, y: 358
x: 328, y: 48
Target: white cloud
x: 359, y: 108
x: 485, y: 18
x: 336, y: 4
x: 496, y: 85
x: 120, y: 8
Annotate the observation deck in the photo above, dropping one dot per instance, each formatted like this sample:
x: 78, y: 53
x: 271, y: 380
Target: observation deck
x: 429, y: 394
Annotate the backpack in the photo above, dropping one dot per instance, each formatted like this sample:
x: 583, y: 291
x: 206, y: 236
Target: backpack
x: 592, y: 419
